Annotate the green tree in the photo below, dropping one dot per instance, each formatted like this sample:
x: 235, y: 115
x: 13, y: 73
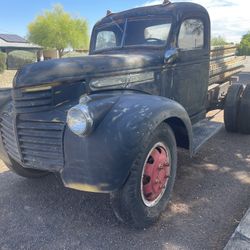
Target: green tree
x: 218, y: 41
x: 58, y: 29
x: 244, y: 47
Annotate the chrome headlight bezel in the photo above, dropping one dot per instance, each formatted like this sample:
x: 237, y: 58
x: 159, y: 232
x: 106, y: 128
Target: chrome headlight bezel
x: 83, y: 126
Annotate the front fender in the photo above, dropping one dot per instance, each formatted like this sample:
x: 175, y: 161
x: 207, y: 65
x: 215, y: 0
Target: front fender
x: 101, y: 161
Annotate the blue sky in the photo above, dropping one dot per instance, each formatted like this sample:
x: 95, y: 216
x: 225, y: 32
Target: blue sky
x: 16, y: 14
x: 230, y: 18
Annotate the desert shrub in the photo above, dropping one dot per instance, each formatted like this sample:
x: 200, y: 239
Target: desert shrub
x: 2, y: 62
x: 18, y: 58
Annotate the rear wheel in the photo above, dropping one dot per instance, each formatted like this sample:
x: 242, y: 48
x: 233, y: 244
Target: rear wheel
x: 25, y: 172
x: 244, y: 112
x: 146, y: 193
x: 231, y: 107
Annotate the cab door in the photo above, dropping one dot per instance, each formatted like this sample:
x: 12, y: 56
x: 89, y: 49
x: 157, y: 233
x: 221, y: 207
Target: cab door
x: 190, y: 73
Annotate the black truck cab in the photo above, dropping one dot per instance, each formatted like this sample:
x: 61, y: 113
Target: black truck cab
x: 163, y: 31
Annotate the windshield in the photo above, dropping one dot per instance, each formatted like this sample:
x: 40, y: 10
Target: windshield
x: 142, y: 32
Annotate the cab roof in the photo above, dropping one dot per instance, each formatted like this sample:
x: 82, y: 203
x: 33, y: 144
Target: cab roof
x: 155, y: 10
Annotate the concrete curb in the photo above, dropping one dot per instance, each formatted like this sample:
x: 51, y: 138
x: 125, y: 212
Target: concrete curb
x: 240, y: 239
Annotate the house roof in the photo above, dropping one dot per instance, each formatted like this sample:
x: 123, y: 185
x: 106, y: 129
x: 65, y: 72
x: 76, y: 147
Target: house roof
x: 12, y: 38
x: 15, y: 41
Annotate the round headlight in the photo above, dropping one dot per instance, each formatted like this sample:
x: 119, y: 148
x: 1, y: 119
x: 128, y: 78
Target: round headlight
x: 79, y: 120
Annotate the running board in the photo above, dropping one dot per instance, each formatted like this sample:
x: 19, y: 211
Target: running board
x: 203, y: 131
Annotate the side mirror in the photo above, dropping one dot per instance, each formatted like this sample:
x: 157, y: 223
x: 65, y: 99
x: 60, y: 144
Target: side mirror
x: 171, y: 55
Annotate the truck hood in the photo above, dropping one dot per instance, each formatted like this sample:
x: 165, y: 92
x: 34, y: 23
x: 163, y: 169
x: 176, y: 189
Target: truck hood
x: 72, y: 69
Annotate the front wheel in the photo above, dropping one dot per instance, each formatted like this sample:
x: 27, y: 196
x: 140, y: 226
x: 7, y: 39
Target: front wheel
x: 147, y: 191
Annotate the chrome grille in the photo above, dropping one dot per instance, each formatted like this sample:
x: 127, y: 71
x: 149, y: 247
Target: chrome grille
x: 32, y: 101
x: 41, y: 144
x: 46, y: 97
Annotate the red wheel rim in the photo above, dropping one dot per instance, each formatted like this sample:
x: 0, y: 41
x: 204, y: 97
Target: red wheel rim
x: 155, y: 175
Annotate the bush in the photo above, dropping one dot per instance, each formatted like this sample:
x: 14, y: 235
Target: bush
x: 244, y: 47
x: 2, y: 62
x: 243, y: 51
x: 18, y: 58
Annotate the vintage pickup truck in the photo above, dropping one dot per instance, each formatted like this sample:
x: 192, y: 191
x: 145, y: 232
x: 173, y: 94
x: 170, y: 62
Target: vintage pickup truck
x: 111, y: 122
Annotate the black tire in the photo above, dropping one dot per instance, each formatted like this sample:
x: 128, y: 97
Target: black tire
x: 25, y: 172
x: 244, y: 112
x: 127, y: 203
x: 231, y: 107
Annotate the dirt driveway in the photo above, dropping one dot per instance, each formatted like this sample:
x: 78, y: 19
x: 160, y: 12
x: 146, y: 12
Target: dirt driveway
x: 6, y: 78
x: 211, y: 194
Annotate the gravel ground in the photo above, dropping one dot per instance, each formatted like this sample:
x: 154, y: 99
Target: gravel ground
x: 247, y: 64
x: 211, y: 194
x: 6, y: 78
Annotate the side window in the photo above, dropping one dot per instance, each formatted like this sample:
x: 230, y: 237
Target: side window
x: 105, y: 39
x: 157, y: 32
x: 191, y: 35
